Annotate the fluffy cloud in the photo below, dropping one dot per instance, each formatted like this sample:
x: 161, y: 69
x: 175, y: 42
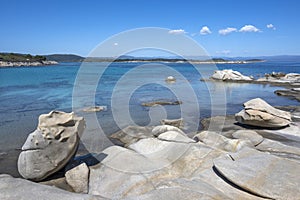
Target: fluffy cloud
x: 227, y: 31
x: 177, y: 31
x: 249, y: 28
x: 116, y: 44
x: 205, y: 30
x: 271, y: 26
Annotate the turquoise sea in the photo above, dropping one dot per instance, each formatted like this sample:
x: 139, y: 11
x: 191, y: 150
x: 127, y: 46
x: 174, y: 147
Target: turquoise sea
x: 27, y: 92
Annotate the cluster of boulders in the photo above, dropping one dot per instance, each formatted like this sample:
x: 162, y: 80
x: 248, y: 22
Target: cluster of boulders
x: 280, y: 78
x: 162, y: 162
x: 275, y: 77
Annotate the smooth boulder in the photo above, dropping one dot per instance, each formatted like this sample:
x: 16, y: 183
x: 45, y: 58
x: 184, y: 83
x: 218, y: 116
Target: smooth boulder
x: 259, y: 113
x: 51, y: 145
x: 230, y: 75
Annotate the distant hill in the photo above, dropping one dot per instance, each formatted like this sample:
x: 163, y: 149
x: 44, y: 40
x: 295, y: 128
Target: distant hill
x: 17, y: 57
x: 64, y: 58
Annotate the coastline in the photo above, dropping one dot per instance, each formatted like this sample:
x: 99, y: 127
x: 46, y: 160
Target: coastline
x: 23, y: 64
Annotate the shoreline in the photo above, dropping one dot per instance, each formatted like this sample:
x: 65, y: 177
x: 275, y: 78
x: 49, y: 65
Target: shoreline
x: 6, y: 64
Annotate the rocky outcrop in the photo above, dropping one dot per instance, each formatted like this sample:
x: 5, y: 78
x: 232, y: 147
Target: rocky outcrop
x: 230, y: 75
x: 19, y: 64
x: 51, y: 145
x: 290, y: 78
x: 257, y: 112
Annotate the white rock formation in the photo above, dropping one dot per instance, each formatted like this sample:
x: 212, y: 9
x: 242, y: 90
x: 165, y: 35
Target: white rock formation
x: 51, y: 145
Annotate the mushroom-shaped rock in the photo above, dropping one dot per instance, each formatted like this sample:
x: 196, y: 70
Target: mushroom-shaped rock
x: 259, y: 113
x: 51, y: 145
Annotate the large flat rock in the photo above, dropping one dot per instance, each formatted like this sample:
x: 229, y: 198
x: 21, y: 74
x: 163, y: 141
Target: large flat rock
x: 261, y: 173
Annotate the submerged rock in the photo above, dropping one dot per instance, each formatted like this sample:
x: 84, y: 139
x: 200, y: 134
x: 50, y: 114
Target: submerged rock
x: 51, y: 145
x: 230, y: 75
x: 95, y: 109
x: 162, y: 103
x: 257, y: 112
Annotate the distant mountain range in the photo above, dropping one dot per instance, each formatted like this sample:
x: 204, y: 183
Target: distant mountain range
x: 12, y: 57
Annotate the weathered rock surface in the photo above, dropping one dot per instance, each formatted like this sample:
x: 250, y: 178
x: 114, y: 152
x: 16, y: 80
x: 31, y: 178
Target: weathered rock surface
x: 257, y: 112
x: 16, y: 188
x: 156, y: 131
x: 248, y: 134
x: 261, y: 173
x: 230, y: 75
x: 173, y: 122
x: 216, y: 140
x: 78, y: 178
x: 132, y: 134
x: 51, y: 145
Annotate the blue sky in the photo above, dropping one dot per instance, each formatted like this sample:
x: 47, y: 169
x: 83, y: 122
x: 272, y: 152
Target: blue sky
x: 229, y: 28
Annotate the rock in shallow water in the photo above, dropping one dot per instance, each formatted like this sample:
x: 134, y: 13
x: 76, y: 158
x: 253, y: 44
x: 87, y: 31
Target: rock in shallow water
x: 259, y: 113
x: 230, y: 75
x: 51, y: 145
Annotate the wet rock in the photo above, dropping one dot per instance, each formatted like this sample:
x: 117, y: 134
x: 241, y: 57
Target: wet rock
x: 78, y: 178
x: 51, y: 145
x: 257, y: 112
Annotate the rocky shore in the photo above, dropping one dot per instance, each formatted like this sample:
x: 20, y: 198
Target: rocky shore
x: 252, y: 155
x: 20, y: 64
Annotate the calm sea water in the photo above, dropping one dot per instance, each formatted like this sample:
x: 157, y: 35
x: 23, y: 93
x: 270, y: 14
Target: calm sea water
x: 27, y: 92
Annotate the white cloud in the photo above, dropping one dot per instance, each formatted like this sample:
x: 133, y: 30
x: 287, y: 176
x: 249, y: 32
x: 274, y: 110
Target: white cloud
x: 271, y: 26
x: 225, y: 52
x: 249, y: 28
x: 227, y: 31
x: 116, y: 44
x: 177, y: 31
x: 205, y: 30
